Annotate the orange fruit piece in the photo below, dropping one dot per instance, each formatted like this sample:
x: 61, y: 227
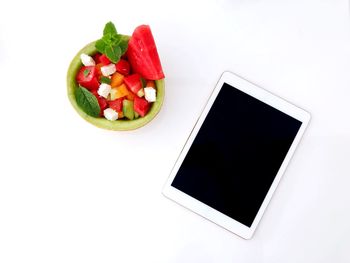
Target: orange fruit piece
x: 122, y: 91
x: 130, y: 96
x: 117, y: 80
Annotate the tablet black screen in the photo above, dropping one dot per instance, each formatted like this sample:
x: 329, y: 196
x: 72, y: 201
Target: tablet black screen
x: 236, y: 154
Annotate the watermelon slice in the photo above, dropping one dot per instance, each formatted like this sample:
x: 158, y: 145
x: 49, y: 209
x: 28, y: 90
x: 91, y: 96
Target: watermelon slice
x: 141, y: 106
x: 143, y: 55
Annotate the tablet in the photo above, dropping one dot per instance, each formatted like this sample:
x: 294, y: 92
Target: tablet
x: 236, y: 154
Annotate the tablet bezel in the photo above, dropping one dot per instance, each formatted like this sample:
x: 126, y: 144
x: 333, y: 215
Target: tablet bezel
x: 207, y: 211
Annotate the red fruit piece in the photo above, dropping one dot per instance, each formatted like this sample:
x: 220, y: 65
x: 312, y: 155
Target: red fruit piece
x: 104, y: 60
x: 141, y: 106
x: 143, y: 55
x: 133, y: 82
x: 96, y: 57
x: 87, y: 77
x: 123, y: 67
x: 116, y: 105
x: 101, y: 101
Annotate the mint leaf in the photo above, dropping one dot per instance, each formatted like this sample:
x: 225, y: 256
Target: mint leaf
x: 87, y: 101
x: 107, y: 39
x: 113, y: 52
x: 110, y: 29
x: 86, y: 72
x: 100, y: 45
x: 116, y: 39
x: 112, y: 44
x: 105, y: 80
x: 123, y: 45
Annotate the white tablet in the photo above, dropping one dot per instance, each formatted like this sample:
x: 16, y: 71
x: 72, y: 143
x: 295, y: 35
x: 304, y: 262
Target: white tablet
x: 236, y: 154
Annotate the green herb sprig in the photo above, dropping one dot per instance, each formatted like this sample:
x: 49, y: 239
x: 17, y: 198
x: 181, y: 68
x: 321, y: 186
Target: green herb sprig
x: 87, y: 101
x: 105, y: 80
x: 112, y: 44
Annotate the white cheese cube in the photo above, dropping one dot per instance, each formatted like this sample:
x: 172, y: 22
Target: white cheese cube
x: 108, y: 70
x: 110, y: 114
x: 104, y: 90
x: 87, y: 60
x: 150, y: 94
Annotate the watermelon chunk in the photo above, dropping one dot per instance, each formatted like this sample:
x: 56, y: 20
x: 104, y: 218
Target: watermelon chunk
x: 141, y: 106
x: 143, y: 55
x: 134, y: 83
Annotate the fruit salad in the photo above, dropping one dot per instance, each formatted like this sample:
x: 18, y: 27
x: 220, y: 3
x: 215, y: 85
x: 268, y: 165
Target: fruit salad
x: 118, y: 81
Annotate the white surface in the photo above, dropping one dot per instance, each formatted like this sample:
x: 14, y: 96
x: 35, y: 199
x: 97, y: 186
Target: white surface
x: 236, y: 82
x: 58, y: 203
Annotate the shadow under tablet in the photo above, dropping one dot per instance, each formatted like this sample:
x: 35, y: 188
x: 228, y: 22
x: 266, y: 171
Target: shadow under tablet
x: 236, y: 154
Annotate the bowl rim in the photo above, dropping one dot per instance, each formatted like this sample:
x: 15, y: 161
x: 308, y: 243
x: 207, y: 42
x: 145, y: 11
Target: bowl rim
x: 117, y: 125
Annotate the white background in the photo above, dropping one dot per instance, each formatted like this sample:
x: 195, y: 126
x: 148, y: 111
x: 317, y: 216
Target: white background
x: 70, y: 192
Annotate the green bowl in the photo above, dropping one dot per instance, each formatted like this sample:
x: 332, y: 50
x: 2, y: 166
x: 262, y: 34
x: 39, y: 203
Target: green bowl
x: 118, y: 125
